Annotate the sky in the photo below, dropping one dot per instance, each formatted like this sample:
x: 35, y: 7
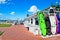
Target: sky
x: 18, y: 9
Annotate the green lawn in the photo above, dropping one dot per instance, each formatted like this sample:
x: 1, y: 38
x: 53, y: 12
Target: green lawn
x: 1, y: 33
x: 5, y: 25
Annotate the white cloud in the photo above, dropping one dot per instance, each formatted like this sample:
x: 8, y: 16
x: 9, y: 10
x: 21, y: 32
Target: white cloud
x: 33, y: 9
x: 59, y: 3
x: 2, y: 1
x: 56, y: 2
x: 6, y: 2
x: 12, y: 13
x: 1, y: 14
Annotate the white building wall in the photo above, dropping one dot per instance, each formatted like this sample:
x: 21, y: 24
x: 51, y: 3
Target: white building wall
x: 32, y: 27
x: 34, y: 30
x: 33, y: 21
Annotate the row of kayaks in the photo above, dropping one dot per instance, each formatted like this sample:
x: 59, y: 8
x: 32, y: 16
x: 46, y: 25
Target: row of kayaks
x: 49, y: 23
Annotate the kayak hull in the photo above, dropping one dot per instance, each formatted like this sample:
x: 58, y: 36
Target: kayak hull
x: 42, y: 24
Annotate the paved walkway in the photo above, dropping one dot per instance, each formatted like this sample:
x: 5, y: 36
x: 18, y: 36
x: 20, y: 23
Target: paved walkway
x: 19, y: 32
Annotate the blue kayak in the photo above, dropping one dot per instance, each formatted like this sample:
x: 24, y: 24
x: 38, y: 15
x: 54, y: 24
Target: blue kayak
x: 59, y: 27
x: 58, y: 17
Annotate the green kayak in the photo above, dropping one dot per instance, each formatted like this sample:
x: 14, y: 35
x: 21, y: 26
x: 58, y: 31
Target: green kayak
x: 42, y: 24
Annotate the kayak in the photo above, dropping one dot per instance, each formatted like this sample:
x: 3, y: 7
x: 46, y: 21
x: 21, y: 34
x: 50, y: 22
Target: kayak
x: 53, y: 23
x: 58, y: 17
x: 42, y: 24
x: 59, y: 27
x: 56, y: 25
x: 48, y: 25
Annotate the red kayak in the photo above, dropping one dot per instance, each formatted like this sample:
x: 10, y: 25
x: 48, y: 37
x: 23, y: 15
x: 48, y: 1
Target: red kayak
x: 57, y: 26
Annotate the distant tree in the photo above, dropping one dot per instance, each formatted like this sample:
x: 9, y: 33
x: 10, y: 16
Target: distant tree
x: 27, y: 15
x: 53, y: 5
x: 58, y: 7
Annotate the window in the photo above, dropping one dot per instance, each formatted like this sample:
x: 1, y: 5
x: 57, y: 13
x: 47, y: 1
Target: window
x: 36, y: 21
x: 31, y: 21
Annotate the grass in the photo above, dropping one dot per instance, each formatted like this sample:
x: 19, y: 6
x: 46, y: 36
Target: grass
x: 5, y: 25
x: 1, y: 33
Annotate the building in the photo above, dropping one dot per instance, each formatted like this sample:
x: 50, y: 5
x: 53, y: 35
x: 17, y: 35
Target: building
x: 31, y: 22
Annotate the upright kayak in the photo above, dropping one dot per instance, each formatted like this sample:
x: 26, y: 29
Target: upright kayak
x: 56, y: 25
x: 52, y: 20
x: 42, y: 24
x: 48, y: 24
x: 53, y: 23
x: 59, y: 27
x: 58, y: 17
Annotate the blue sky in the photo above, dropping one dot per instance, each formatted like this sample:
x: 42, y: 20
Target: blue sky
x: 14, y: 9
